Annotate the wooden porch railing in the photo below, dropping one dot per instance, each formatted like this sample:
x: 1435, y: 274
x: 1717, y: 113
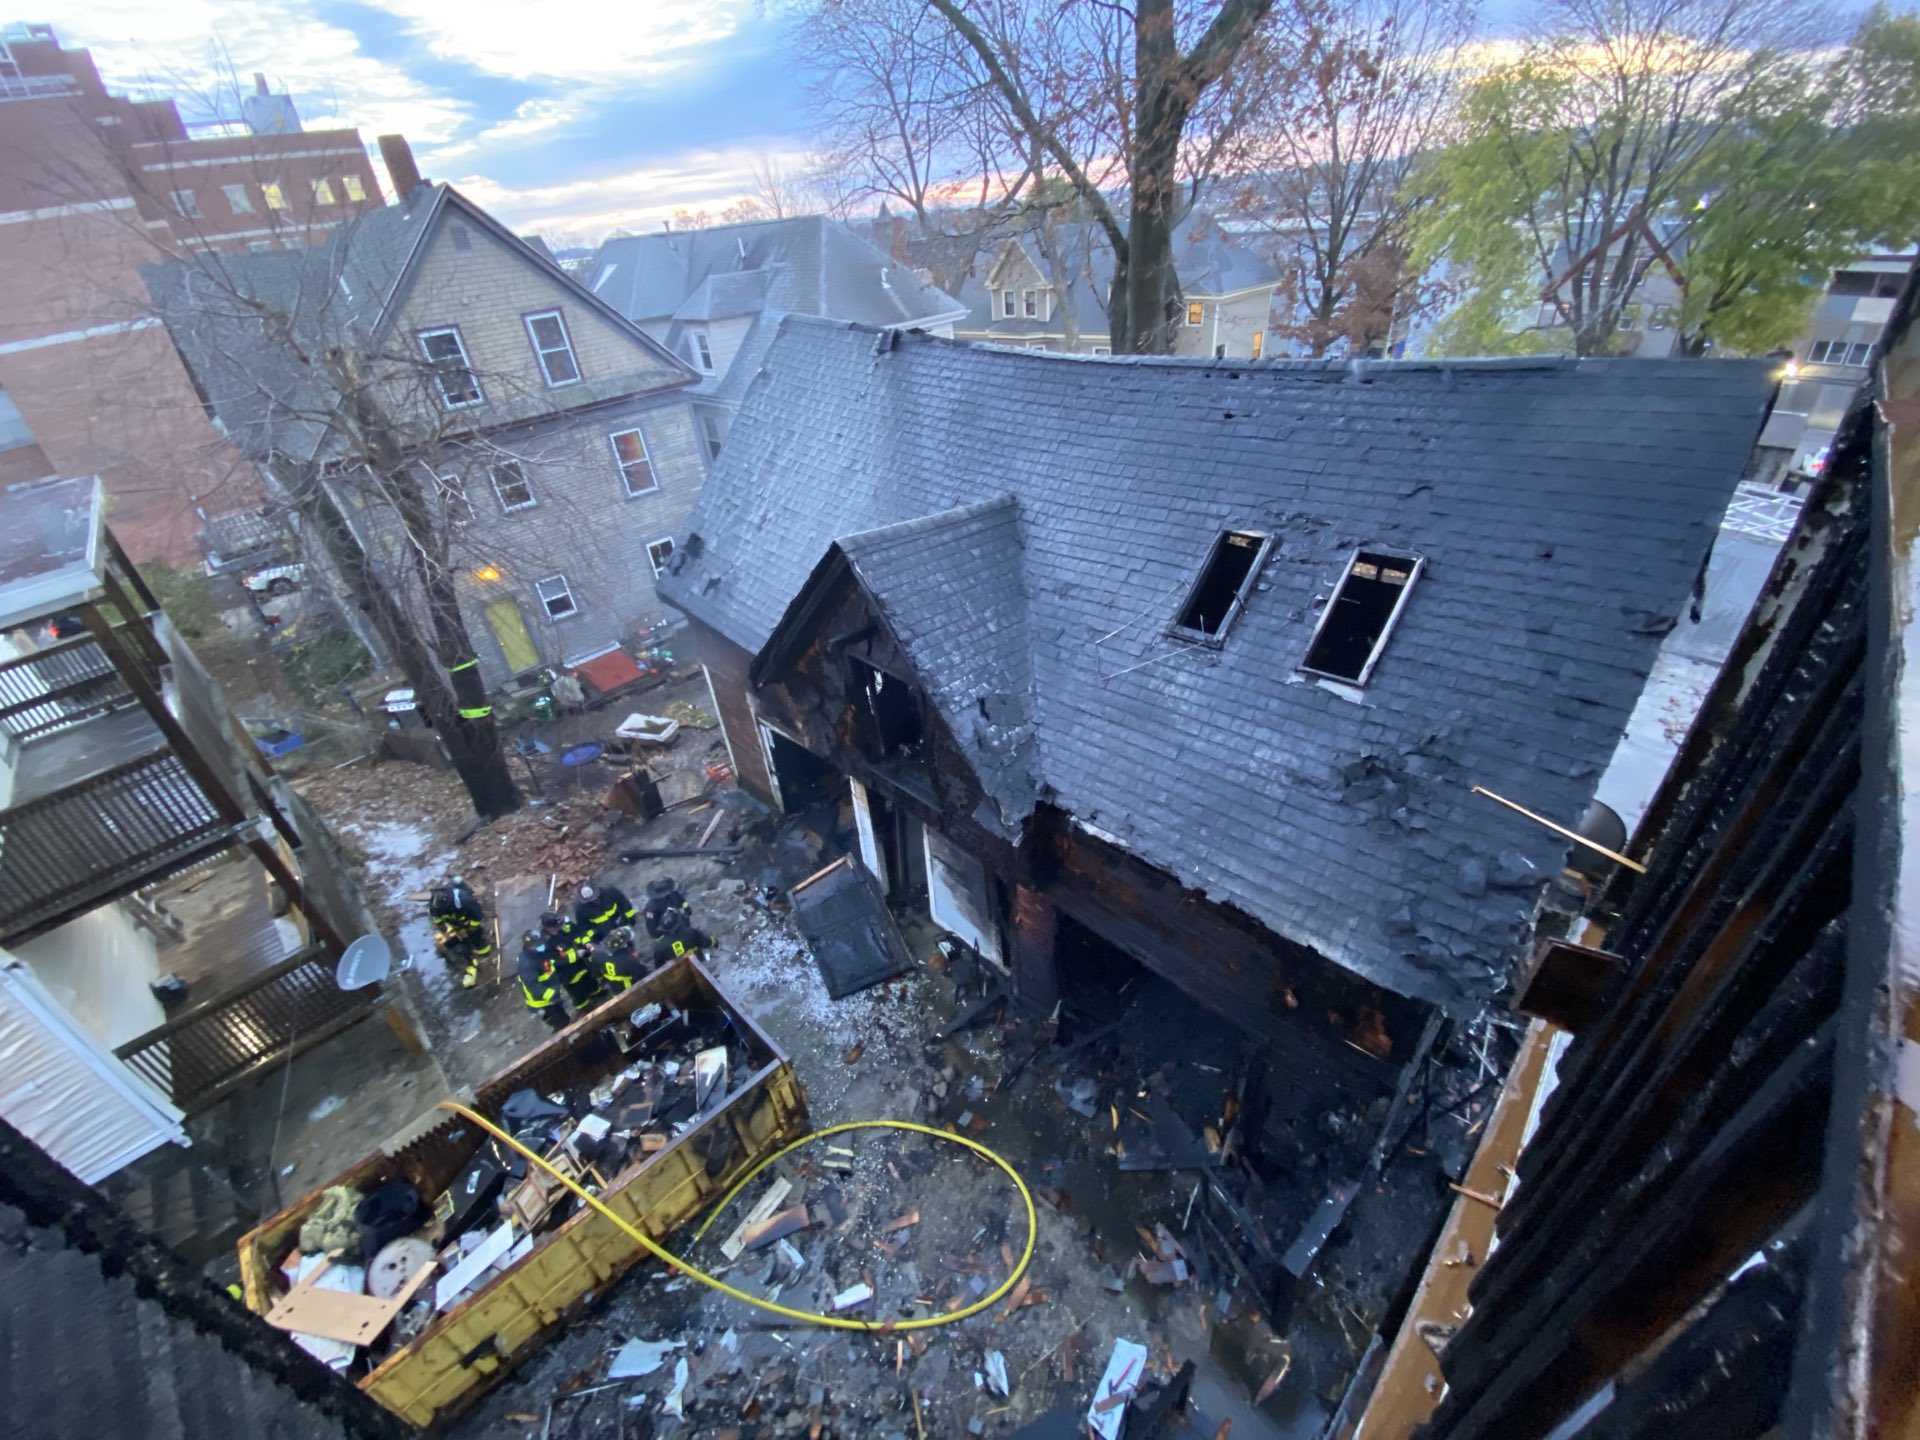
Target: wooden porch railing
x: 201, y: 1055
x: 100, y: 837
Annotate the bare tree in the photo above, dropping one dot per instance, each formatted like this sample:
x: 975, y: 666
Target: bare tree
x: 1327, y: 164
x: 1168, y: 85
x: 902, y: 117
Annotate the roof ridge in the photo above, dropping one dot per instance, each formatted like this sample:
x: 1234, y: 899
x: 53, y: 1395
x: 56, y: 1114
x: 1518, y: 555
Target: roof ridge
x: 898, y: 530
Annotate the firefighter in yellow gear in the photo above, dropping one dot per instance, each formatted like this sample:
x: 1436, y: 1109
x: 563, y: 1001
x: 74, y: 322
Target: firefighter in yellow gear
x: 599, y: 909
x: 620, y: 963
x: 579, y: 975
x: 539, y: 982
x: 678, y: 938
x: 461, y: 934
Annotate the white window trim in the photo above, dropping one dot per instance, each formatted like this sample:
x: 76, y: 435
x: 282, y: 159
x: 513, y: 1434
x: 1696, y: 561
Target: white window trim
x: 711, y: 440
x: 493, y: 474
x: 540, y: 588
x: 566, y: 344
x: 242, y: 206
x: 1008, y: 307
x: 186, y: 204
x: 1030, y: 304
x: 466, y: 363
x: 620, y: 467
x: 1417, y: 564
x: 659, y: 566
x: 1191, y: 323
x: 703, y: 350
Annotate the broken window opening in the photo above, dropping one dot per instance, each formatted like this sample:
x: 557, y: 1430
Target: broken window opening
x: 1365, y: 606
x: 1221, y: 590
x: 890, y: 715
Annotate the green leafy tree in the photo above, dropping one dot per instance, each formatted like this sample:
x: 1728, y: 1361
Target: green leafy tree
x: 1714, y: 139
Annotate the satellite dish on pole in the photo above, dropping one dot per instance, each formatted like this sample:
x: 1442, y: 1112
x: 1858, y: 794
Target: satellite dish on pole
x: 365, y: 962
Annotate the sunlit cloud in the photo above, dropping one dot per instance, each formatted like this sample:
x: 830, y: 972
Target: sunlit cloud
x: 594, y: 42
x: 586, y: 211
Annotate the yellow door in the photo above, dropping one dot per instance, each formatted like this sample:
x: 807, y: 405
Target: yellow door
x: 503, y: 618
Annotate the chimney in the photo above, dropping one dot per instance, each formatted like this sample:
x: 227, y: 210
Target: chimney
x: 259, y: 83
x: 399, y: 157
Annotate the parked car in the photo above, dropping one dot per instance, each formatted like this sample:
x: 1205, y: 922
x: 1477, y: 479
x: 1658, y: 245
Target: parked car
x: 276, y: 579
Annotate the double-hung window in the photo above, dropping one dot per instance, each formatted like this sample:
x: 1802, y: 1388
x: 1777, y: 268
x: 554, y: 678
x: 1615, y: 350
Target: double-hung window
x: 556, y: 598
x: 636, y: 466
x: 703, y: 351
x: 510, y: 483
x: 658, y: 553
x: 553, y: 347
x: 452, y: 372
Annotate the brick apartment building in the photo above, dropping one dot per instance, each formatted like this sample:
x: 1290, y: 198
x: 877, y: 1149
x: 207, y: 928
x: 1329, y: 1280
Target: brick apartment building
x: 94, y: 185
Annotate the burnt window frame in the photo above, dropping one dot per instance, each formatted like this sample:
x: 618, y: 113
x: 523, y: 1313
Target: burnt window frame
x: 1218, y: 636
x: 1417, y: 565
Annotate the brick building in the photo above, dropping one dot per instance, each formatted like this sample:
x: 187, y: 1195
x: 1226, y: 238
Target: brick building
x: 94, y: 185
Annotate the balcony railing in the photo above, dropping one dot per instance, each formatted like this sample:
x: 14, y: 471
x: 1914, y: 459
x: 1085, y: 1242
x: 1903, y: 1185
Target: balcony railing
x: 220, y: 1043
x: 58, y: 686
x: 95, y: 839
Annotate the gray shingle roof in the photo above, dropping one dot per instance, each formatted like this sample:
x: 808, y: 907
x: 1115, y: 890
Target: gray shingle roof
x: 953, y: 590
x: 829, y: 271
x: 1563, y: 509
x: 87, y: 1352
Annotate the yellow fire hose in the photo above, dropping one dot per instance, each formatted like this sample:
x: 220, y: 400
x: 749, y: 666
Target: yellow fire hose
x: 808, y: 1317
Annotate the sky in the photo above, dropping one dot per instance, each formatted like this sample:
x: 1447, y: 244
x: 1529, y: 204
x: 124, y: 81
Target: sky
x: 612, y: 115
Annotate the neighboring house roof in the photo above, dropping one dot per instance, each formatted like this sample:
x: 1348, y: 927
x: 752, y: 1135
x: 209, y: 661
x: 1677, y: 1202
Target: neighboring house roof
x: 91, y: 1351
x: 830, y: 271
x: 1208, y: 260
x: 1563, y: 509
x: 225, y: 314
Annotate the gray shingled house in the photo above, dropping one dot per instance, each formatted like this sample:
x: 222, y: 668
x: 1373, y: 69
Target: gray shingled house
x: 714, y: 297
x: 553, y: 439
x: 1206, y: 675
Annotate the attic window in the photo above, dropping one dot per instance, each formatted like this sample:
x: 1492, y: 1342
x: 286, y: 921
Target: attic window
x: 1221, y: 590
x: 1366, y: 604
x: 462, y: 238
x: 889, y: 720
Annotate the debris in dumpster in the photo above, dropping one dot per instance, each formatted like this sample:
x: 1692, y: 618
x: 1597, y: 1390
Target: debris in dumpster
x: 396, y: 1263
x: 454, y: 1284
x: 335, y: 1312
x: 331, y: 1227
x: 709, y: 1076
x: 639, y: 1357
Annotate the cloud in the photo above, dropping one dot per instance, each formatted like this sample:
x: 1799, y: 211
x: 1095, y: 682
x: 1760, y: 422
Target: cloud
x: 584, y: 211
x: 200, y: 51
x: 596, y: 42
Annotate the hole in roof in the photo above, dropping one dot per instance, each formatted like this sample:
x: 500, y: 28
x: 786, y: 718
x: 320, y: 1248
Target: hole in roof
x: 1366, y: 604
x: 1220, y: 590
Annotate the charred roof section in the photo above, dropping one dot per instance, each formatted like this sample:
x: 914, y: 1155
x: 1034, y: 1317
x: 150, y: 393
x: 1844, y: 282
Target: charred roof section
x: 1560, y: 511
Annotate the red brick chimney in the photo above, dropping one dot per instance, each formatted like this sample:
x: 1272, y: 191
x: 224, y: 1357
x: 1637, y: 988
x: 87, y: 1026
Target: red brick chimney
x: 399, y: 157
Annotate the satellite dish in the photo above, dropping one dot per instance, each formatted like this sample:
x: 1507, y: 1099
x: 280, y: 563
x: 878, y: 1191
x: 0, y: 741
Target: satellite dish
x: 366, y: 962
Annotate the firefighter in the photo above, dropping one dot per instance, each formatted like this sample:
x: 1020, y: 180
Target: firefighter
x: 460, y: 930
x: 679, y: 938
x: 539, y: 985
x: 620, y: 963
x: 578, y: 973
x: 599, y: 909
x: 663, y: 898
